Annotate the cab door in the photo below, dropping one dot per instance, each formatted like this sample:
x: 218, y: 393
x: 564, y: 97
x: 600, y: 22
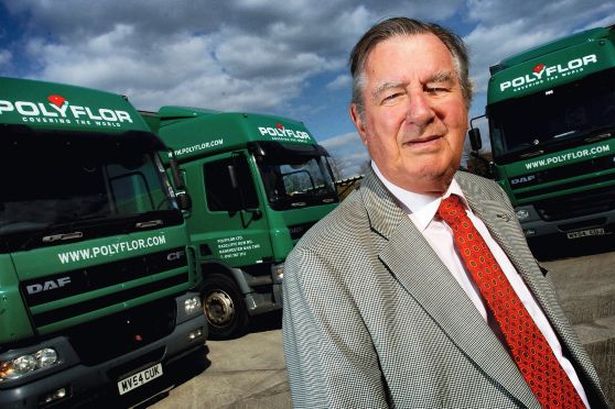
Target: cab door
x: 236, y: 230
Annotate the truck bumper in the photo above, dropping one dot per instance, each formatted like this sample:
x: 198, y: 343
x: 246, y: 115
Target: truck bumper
x: 598, y: 224
x: 85, y: 385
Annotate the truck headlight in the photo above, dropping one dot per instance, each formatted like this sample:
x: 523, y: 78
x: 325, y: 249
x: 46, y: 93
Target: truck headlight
x: 192, y: 305
x: 28, y: 363
x: 277, y: 271
x: 46, y: 357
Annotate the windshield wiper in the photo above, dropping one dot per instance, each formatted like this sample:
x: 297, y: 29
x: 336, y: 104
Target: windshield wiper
x: 62, y: 236
x: 524, y: 149
x: 521, y: 150
x: 531, y: 153
x: 47, y: 234
x: 66, y: 229
x: 594, y: 134
x: 567, y: 133
x: 599, y: 132
x: 149, y: 224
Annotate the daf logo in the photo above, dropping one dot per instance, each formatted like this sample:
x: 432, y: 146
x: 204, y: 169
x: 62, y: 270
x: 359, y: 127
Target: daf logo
x: 48, y: 285
x: 522, y: 179
x: 176, y: 255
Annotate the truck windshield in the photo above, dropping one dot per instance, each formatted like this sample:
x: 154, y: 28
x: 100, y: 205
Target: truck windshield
x: 554, y: 116
x: 295, y: 178
x: 79, y: 182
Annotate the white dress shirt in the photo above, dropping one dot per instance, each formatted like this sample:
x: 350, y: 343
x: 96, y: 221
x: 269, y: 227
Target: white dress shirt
x: 421, y: 209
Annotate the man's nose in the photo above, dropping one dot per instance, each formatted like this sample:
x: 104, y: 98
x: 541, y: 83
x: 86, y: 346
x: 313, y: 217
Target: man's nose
x: 420, y: 110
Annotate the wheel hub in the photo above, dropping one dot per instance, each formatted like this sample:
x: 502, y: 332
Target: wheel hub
x: 219, y: 308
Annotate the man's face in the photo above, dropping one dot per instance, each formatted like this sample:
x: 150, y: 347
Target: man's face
x: 415, y: 117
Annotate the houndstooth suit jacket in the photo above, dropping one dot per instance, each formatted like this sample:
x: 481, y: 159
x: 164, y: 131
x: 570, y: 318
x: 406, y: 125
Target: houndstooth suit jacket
x: 372, y: 318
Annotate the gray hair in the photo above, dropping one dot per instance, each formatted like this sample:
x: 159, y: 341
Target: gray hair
x: 403, y: 26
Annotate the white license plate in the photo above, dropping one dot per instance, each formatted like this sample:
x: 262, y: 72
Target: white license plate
x: 140, y: 378
x: 599, y: 231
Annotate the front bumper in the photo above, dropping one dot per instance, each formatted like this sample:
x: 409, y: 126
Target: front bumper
x: 84, y: 383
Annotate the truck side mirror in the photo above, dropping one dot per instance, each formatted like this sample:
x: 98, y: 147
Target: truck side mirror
x: 475, y: 140
x: 184, y: 201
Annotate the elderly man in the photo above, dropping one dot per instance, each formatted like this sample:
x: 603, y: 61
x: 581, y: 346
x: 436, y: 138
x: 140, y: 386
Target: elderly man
x: 419, y: 291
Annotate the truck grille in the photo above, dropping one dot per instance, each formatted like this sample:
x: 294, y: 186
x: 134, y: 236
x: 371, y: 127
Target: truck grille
x: 75, y: 282
x: 590, y: 202
x: 123, y: 332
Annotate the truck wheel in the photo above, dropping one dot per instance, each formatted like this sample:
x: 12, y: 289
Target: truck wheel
x: 224, y: 307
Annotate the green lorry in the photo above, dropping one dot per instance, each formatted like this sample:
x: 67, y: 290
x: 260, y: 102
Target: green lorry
x: 257, y: 182
x: 551, y: 114
x: 95, y: 266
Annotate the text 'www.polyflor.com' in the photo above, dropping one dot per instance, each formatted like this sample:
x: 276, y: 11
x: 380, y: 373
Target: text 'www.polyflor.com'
x: 560, y: 158
x: 110, y: 249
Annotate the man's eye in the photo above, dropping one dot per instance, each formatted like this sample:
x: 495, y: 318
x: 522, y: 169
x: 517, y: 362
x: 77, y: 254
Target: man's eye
x: 436, y: 90
x: 391, y: 96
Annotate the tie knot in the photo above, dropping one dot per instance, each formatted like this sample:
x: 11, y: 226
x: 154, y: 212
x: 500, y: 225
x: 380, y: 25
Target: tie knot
x: 451, y: 209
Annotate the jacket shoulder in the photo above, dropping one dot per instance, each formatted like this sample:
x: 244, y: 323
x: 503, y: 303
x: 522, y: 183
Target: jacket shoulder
x: 480, y: 186
x: 342, y: 223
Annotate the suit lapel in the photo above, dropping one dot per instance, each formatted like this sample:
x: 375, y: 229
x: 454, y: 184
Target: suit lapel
x: 424, y: 276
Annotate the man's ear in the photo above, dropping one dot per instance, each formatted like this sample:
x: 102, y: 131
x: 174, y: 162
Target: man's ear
x: 357, y: 119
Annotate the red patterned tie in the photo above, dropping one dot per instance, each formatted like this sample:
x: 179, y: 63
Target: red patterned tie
x: 528, y: 347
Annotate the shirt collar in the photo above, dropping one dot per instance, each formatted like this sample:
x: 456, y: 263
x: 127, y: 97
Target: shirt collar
x: 420, y: 207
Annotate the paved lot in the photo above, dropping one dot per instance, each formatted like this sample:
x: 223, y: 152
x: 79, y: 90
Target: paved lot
x: 249, y: 372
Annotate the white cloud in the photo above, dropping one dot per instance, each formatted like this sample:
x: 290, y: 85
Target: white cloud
x: 107, y: 62
x: 506, y: 28
x: 341, y: 140
x: 565, y: 14
x: 256, y: 56
x: 340, y: 82
x: 603, y: 22
x: 489, y: 45
x: 178, y: 70
x: 348, y: 153
x: 5, y: 58
x: 248, y: 57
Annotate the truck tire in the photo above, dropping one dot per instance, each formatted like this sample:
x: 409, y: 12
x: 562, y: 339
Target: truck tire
x: 224, y: 307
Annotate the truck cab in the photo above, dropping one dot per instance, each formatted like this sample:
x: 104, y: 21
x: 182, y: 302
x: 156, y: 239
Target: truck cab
x: 257, y: 182
x: 551, y: 112
x: 95, y: 267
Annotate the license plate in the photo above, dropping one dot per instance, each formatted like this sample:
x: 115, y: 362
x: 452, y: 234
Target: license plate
x: 138, y: 379
x: 599, y: 231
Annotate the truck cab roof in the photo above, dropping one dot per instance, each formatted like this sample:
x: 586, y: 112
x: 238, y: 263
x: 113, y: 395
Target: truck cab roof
x: 552, y: 64
x: 591, y: 35
x: 192, y: 132
x: 51, y: 106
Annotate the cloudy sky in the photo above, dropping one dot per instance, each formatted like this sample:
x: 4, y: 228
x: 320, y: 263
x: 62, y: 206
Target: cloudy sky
x: 284, y: 57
